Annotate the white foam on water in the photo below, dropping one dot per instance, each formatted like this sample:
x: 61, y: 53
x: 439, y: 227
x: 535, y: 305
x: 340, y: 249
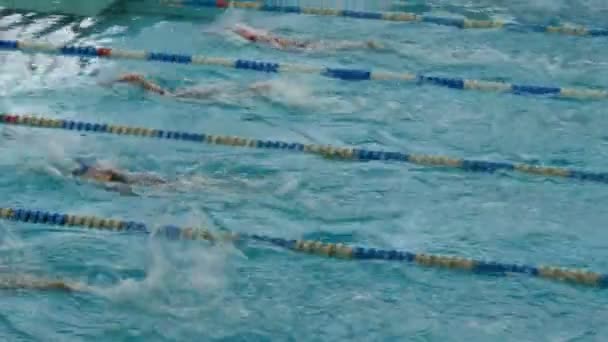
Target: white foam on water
x: 33, y: 150
x: 10, y: 20
x: 290, y: 184
x: 195, y: 269
x: 301, y: 93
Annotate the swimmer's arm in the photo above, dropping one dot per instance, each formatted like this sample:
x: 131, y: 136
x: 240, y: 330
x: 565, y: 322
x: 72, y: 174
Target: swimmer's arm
x: 371, y: 44
x: 143, y: 82
x: 260, y: 87
x: 123, y: 189
x: 153, y: 87
x: 283, y: 43
x: 154, y: 179
x: 198, y: 93
x: 146, y: 179
x: 275, y: 41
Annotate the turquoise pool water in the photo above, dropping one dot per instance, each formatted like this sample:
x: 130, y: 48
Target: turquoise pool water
x: 158, y: 290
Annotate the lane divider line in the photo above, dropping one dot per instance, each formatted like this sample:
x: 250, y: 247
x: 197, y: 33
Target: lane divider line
x: 331, y: 152
x: 337, y: 73
x: 319, y: 248
x: 461, y: 23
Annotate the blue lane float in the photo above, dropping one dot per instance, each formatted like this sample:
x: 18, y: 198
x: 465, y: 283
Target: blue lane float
x: 338, y: 73
x: 461, y: 23
x: 319, y: 248
x: 343, y: 153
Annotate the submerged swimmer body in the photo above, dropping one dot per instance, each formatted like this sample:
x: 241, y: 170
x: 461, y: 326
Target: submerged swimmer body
x: 122, y: 181
x: 258, y: 36
x: 114, y: 179
x: 30, y: 283
x: 258, y: 88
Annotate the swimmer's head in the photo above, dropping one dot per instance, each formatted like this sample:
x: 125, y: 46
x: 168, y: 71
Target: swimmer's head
x: 106, y: 175
x: 81, y: 169
x: 103, y: 175
x: 117, y: 177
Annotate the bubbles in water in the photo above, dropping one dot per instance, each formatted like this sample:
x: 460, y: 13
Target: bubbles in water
x: 195, y: 269
x: 300, y: 93
x: 290, y: 184
x: 290, y: 92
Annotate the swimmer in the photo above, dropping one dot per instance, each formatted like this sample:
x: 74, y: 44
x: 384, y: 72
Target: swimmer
x: 258, y: 88
x: 31, y: 283
x: 258, y: 36
x: 114, y: 179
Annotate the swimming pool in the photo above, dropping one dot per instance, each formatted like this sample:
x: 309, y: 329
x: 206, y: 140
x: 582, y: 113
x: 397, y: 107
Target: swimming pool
x: 142, y: 288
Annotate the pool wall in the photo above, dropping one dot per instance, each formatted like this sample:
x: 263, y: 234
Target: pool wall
x: 76, y: 7
x: 156, y: 7
x: 90, y: 8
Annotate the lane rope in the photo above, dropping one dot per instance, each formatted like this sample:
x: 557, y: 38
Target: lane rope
x: 337, y: 73
x: 339, y: 153
x: 462, y: 23
x: 319, y: 248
